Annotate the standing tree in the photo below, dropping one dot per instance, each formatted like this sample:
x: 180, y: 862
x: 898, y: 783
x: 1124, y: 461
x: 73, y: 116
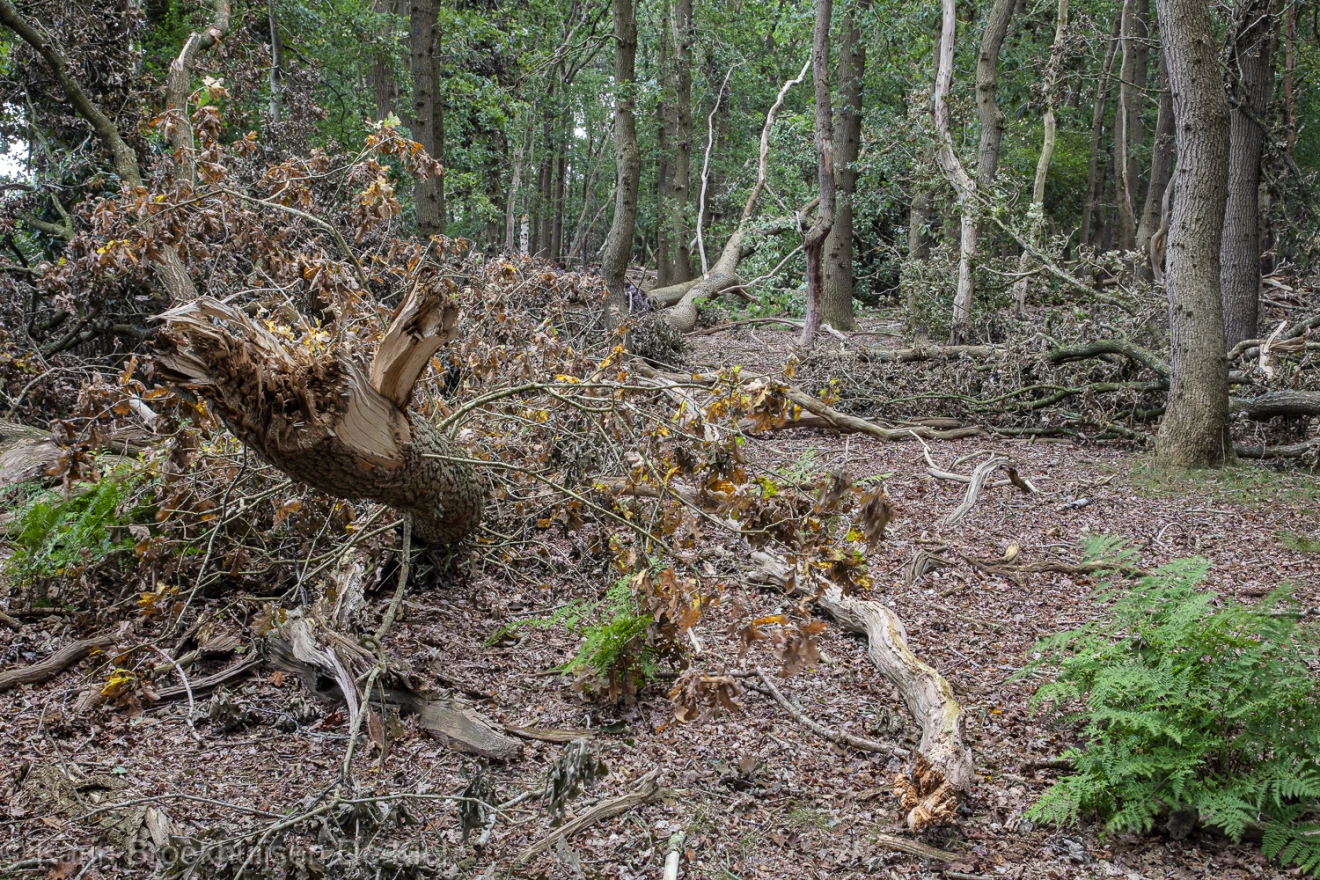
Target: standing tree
x: 1194, y: 432
x: 814, y: 242
x: 1251, y: 80
x: 627, y: 162
x: 837, y: 304
x: 428, y: 125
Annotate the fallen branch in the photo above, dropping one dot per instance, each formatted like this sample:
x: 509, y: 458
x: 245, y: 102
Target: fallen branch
x: 914, y: 847
x: 977, y: 483
x: 55, y: 663
x: 927, y: 695
x: 931, y: 353
x: 837, y: 737
x: 1123, y: 347
x: 647, y: 790
x: 852, y: 424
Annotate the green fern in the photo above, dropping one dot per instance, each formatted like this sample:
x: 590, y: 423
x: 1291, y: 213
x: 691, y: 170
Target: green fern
x: 57, y: 535
x: 1189, y: 704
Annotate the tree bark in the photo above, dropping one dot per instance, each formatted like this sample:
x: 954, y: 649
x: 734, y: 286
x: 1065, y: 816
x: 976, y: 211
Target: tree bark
x: 1094, y: 168
x: 1036, y: 212
x: 1161, y: 170
x: 987, y: 93
x: 1194, y: 432
x: 627, y: 161
x: 276, y: 61
x: 680, y: 184
x: 423, y: 17
x: 837, y: 304
x: 963, y: 184
x: 383, y: 83
x: 323, y: 421
x: 663, y: 125
x: 814, y: 242
x: 1251, y: 76
x: 1128, y: 127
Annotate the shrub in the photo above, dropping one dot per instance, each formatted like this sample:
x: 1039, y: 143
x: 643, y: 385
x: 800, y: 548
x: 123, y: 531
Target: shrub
x: 1193, y: 708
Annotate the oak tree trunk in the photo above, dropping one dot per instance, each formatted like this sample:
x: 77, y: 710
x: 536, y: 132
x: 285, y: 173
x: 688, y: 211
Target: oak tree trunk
x: 1251, y: 75
x: 324, y: 422
x: 1194, y: 432
x: 680, y: 184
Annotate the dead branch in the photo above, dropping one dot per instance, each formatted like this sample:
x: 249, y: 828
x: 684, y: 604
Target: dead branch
x: 683, y: 316
x: 647, y: 790
x: 328, y: 663
x: 851, y: 424
x: 1123, y: 347
x: 202, y: 686
x: 977, y: 482
x: 914, y: 847
x: 178, y: 88
x: 936, y: 353
x: 928, y: 697
x: 55, y: 663
x: 837, y: 737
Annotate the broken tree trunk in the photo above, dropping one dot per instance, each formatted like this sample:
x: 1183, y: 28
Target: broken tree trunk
x: 322, y: 421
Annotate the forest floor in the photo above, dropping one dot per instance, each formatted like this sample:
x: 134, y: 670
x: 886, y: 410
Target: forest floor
x: 758, y: 794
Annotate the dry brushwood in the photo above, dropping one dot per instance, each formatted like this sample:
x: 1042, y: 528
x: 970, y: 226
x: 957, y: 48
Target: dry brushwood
x: 317, y: 417
x: 647, y: 790
x: 329, y: 665
x: 54, y: 664
x: 928, y: 697
x: 926, y: 794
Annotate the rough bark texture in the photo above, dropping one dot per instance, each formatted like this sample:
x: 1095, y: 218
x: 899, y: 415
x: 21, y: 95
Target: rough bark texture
x: 1194, y: 431
x: 627, y: 162
x: 423, y: 18
x: 663, y: 130
x: 837, y: 302
x: 276, y: 76
x: 383, y: 84
x: 1128, y: 127
x: 1161, y: 170
x: 1251, y: 75
x: 987, y: 92
x: 1094, y: 168
x: 680, y: 186
x: 814, y: 242
x: 322, y: 421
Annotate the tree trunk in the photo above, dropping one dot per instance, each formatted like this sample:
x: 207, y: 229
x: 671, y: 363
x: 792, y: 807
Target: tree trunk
x: 276, y: 60
x: 511, y: 208
x: 1194, y: 432
x: 991, y: 128
x: 1036, y: 212
x: 423, y: 17
x: 814, y: 242
x: 837, y: 307
x: 987, y: 92
x: 1127, y: 121
x: 1161, y: 169
x: 383, y: 83
x: 680, y: 184
x: 627, y: 161
x: 322, y: 421
x: 561, y: 183
x: 1251, y: 73
x: 1094, y: 168
x: 663, y: 125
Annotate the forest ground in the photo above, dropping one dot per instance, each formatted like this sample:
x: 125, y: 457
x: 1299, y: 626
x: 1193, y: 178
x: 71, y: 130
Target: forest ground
x: 759, y: 795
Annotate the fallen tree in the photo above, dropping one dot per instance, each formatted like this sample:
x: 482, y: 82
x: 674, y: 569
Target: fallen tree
x: 318, y: 418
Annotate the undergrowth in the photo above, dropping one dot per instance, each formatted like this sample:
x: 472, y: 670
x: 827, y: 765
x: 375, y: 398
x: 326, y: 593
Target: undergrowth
x: 1193, y: 708
x: 54, y: 534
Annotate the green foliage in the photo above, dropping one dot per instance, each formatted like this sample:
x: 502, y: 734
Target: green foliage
x: 1192, y: 706
x: 615, y: 655
x: 55, y: 535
